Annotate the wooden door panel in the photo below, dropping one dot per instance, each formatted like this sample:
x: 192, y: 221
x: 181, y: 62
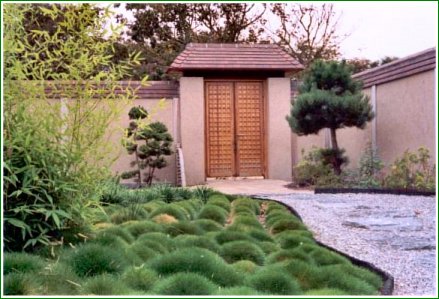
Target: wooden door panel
x: 249, y: 115
x: 220, y: 129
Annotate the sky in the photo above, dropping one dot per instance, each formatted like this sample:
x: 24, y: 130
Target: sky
x: 379, y: 29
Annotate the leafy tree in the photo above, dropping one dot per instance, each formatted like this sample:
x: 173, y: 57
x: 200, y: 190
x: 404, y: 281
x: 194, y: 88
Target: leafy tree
x: 54, y: 147
x: 307, y: 32
x: 149, y: 143
x: 361, y: 64
x: 329, y: 98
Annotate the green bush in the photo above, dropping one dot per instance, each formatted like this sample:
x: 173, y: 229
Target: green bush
x: 142, y: 227
x: 219, y: 200
x: 116, y: 231
x: 189, y: 284
x: 93, y: 259
x: 197, y: 241
x: 274, y: 281
x: 170, y: 209
x: 183, y: 227
x: 22, y: 263
x: 242, y: 250
x: 140, y: 278
x: 196, y: 260
x: 208, y: 225
x: 237, y: 291
x: 19, y: 284
x: 226, y: 236
x: 214, y: 213
x: 412, y: 171
x: 105, y: 285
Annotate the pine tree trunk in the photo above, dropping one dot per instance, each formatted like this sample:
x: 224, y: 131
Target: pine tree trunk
x: 335, y: 161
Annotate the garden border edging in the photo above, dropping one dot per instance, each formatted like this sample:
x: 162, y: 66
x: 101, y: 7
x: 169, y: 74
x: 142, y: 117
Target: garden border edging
x: 408, y: 192
x: 388, y: 280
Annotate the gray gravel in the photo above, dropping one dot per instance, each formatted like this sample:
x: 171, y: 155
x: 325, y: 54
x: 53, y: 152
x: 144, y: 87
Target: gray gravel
x: 395, y: 233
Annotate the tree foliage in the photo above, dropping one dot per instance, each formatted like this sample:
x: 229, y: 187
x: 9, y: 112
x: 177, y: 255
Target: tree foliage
x: 54, y: 131
x: 308, y: 32
x: 149, y: 143
x: 329, y: 98
x: 361, y: 64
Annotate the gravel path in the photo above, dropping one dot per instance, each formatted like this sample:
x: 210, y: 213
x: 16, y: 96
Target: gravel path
x: 395, y: 233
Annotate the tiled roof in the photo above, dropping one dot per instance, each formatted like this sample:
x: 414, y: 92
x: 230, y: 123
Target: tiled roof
x: 153, y: 90
x: 401, y: 68
x: 234, y: 57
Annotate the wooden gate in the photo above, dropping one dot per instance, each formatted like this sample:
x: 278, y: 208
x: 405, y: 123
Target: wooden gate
x: 234, y: 128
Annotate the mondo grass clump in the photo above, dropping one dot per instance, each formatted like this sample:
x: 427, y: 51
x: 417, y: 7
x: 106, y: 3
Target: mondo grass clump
x: 153, y: 205
x: 242, y: 250
x: 219, y: 200
x: 326, y: 292
x: 140, y: 278
x: 142, y: 227
x: 185, y: 284
x: 183, y: 227
x: 94, y: 259
x: 163, y: 239
x: 244, y: 202
x: 237, y: 291
x: 105, y: 284
x: 246, y: 223
x: 273, y: 280
x: 285, y: 255
x: 196, y: 260
x: 172, y: 210
x: 118, y: 231
x: 286, y: 224
x: 213, y: 212
x: 290, y: 240
x: 227, y: 235
x: 208, y: 225
x: 19, y: 284
x: 59, y: 278
x: 245, y: 267
x: 197, y: 241
x: 20, y: 262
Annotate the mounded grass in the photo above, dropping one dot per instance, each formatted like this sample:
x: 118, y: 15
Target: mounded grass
x: 242, y: 250
x: 163, y: 239
x: 213, y: 212
x: 371, y: 278
x: 18, y: 262
x: 164, y: 219
x: 219, y: 200
x: 274, y: 206
x: 326, y: 292
x: 128, y: 214
x: 153, y: 205
x: 208, y: 225
x: 287, y: 255
x: 109, y: 240
x: 142, y: 227
x: 183, y: 227
x: 185, y: 284
x: 116, y: 231
x: 243, y: 210
x: 226, y: 236
x: 105, y: 284
x: 303, y: 272
x: 283, y: 225
x: 197, y: 241
x: 19, y: 284
x: 140, y: 278
x: 325, y: 257
x: 268, y: 247
x: 290, y: 240
x: 59, y: 278
x: 170, y: 209
x: 196, y: 260
x: 260, y: 235
x: 246, y: 202
x: 237, y: 291
x: 191, y: 212
x: 251, y: 222
x: 94, y: 259
x: 245, y: 267
x: 273, y: 280
x: 294, y: 233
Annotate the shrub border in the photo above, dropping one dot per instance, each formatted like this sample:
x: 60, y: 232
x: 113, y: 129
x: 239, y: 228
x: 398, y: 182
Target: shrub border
x: 388, y: 280
x: 410, y: 192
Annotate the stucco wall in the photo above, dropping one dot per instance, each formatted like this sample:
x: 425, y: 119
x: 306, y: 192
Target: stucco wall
x: 278, y: 131
x: 164, y: 115
x: 406, y: 115
x: 192, y: 128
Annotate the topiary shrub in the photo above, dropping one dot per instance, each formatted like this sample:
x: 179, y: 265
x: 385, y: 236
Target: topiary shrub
x: 140, y: 278
x: 208, y: 225
x: 189, y: 284
x: 142, y: 227
x: 18, y: 284
x: 196, y: 260
x: 237, y: 291
x: 164, y: 219
x: 274, y: 281
x: 242, y: 250
x: 170, y: 209
x: 105, y: 285
x: 116, y: 231
x: 94, y: 259
x: 245, y: 267
x: 197, y: 241
x: 219, y: 200
x: 226, y: 236
x: 183, y: 227
x: 18, y: 262
x: 214, y: 213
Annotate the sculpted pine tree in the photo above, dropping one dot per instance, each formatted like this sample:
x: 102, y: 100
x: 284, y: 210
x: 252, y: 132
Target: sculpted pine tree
x: 149, y: 143
x: 329, y: 98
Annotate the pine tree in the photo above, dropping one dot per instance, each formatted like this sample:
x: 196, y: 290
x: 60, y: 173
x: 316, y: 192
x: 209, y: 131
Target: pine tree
x: 329, y: 98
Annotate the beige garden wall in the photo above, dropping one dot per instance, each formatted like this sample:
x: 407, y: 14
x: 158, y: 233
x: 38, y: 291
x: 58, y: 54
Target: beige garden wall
x: 164, y: 115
